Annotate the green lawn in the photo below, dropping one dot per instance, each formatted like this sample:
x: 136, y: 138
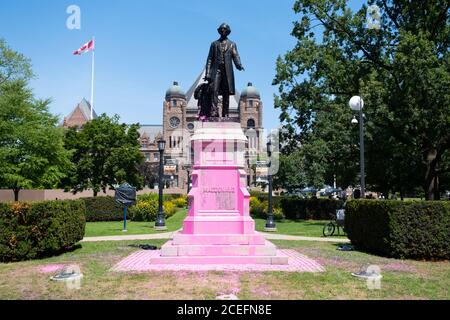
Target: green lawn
x: 304, y: 228
x: 402, y: 279
x: 99, y: 229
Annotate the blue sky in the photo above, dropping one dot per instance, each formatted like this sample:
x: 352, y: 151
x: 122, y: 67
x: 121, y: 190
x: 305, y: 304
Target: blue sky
x: 142, y: 46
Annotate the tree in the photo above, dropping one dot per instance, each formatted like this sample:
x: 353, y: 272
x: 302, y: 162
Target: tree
x: 291, y: 173
x: 13, y: 65
x: 150, y: 173
x: 105, y: 154
x: 402, y: 72
x: 32, y: 153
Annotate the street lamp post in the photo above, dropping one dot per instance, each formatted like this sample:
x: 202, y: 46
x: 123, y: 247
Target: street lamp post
x: 160, y: 223
x: 357, y: 104
x: 270, y: 223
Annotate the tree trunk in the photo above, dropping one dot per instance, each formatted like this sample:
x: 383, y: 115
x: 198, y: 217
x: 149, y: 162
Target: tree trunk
x: 95, y: 193
x: 437, y: 194
x: 431, y: 186
x: 16, y: 194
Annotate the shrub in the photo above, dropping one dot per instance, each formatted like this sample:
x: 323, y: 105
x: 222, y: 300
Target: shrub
x: 254, y: 201
x: 278, y: 214
x: 148, y: 197
x: 180, y: 202
x: 260, y: 209
x: 147, y: 210
x: 169, y: 208
x: 39, y: 229
x: 276, y: 200
x: 144, y: 210
x: 257, y: 209
x: 170, y: 197
x: 400, y: 229
x: 155, y: 196
x: 102, y: 209
x: 307, y: 209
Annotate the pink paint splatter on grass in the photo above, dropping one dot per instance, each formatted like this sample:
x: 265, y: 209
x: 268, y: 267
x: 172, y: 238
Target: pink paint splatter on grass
x: 50, y: 268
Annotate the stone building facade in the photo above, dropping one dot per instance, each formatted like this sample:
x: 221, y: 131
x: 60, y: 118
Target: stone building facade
x: 180, y: 111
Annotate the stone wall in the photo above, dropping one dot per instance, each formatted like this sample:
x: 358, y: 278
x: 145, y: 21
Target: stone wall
x: 39, y: 195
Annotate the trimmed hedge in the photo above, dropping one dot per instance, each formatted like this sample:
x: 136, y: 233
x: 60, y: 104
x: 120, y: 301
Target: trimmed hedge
x: 102, y: 209
x: 39, y: 229
x: 276, y: 200
x: 107, y: 209
x: 307, y: 209
x: 400, y: 229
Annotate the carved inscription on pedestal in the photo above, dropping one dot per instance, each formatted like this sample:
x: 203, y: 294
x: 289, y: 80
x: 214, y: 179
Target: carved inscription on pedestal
x: 219, y: 198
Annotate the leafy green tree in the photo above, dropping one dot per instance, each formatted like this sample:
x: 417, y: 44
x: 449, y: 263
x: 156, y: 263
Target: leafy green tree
x: 150, y: 173
x: 32, y: 154
x: 31, y: 145
x: 13, y: 65
x: 291, y: 173
x: 105, y: 154
x: 400, y: 69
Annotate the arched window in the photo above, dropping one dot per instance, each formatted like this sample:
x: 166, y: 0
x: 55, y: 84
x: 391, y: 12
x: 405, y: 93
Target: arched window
x: 251, y: 124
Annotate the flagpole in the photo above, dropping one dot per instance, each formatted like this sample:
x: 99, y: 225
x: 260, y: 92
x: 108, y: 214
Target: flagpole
x: 92, y: 81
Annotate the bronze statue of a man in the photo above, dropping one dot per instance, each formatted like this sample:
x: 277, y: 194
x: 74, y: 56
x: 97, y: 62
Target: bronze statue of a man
x: 219, y: 68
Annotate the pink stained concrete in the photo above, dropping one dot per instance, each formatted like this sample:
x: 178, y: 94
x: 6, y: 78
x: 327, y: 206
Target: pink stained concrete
x: 218, y: 229
x: 268, y: 249
x: 141, y: 261
x: 218, y: 239
x: 50, y: 268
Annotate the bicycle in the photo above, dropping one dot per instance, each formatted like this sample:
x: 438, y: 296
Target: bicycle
x: 338, y: 221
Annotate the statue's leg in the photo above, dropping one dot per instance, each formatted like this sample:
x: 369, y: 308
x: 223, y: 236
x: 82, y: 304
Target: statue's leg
x: 226, y: 104
x: 225, y: 94
x: 216, y: 84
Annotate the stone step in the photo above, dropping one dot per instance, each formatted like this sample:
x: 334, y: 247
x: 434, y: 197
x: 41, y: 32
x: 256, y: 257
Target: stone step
x: 275, y: 260
x: 219, y: 225
x: 218, y: 239
x: 171, y: 250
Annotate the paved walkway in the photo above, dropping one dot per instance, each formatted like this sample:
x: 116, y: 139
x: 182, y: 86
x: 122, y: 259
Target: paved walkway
x: 169, y: 235
x: 141, y: 261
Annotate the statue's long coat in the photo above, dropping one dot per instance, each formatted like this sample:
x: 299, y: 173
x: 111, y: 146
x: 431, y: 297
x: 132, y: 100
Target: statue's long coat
x: 231, y: 55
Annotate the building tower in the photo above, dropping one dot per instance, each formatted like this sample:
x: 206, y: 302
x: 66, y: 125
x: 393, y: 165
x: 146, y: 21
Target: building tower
x: 174, y: 121
x: 250, y: 114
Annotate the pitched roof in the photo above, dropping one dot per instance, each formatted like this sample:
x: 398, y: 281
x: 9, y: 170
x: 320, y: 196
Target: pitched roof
x: 192, y: 103
x: 151, y: 131
x: 85, y: 108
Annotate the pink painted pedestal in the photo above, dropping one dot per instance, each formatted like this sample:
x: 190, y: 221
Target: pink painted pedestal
x: 218, y: 228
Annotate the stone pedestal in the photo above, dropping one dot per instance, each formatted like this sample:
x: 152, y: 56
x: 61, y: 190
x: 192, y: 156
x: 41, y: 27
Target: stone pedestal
x: 218, y: 228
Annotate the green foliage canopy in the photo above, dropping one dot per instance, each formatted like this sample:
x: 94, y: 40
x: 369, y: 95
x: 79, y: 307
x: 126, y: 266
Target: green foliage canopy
x: 402, y: 72
x: 105, y: 154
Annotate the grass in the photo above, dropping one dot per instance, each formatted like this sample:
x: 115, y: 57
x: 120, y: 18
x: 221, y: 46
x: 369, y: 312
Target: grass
x: 402, y: 279
x: 99, y: 229
x: 304, y: 228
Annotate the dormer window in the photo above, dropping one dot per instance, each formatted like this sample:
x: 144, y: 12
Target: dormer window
x: 250, y: 103
x: 174, y: 103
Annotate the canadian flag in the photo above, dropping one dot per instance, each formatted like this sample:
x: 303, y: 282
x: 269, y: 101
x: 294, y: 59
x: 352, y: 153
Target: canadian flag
x: 85, y: 48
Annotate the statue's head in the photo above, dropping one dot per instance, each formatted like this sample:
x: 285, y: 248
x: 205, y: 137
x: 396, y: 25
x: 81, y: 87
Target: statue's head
x: 224, y: 30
